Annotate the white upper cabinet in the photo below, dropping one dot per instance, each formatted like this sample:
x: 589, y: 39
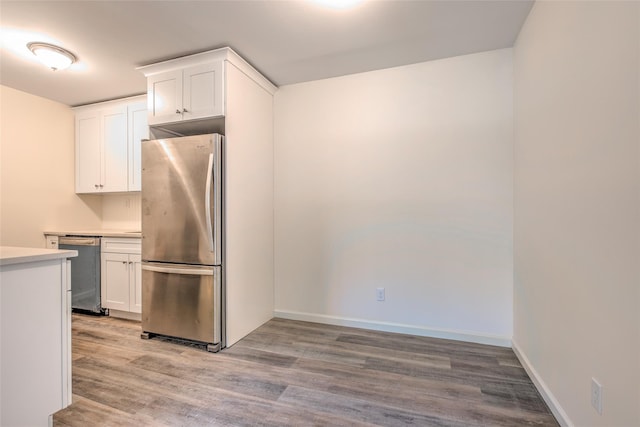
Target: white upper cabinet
x: 203, y: 92
x: 108, y: 137
x: 88, y: 151
x: 115, y: 149
x: 164, y: 95
x: 192, y: 93
x: 101, y: 149
x: 188, y: 95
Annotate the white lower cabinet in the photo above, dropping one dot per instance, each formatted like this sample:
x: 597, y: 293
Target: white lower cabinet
x: 121, y: 274
x: 35, y: 320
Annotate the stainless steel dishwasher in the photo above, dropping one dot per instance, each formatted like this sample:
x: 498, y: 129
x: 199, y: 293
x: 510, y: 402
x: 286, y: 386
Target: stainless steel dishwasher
x: 85, y: 272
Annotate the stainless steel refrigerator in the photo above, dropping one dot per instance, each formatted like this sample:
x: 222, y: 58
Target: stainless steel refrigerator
x: 182, y: 240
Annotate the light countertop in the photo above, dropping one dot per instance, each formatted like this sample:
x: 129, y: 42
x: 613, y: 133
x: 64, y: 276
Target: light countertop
x: 16, y: 255
x: 96, y: 233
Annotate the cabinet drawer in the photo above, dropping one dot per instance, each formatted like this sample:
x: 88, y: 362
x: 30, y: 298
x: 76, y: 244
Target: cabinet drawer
x: 123, y: 245
x: 52, y: 242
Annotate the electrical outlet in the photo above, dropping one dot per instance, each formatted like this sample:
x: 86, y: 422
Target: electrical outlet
x: 380, y: 294
x: 596, y: 395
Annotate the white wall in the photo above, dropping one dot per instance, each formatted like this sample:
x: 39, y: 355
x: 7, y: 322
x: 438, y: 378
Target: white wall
x: 577, y: 207
x: 121, y: 211
x: 37, y: 171
x: 402, y: 179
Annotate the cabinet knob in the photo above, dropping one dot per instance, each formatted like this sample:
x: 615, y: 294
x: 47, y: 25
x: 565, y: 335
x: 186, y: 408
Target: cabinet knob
x: 124, y: 262
x: 101, y: 185
x: 96, y: 185
x: 178, y: 112
x: 184, y: 110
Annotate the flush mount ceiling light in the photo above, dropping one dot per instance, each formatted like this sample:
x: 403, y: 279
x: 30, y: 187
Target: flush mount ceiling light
x: 338, y: 4
x: 52, y: 56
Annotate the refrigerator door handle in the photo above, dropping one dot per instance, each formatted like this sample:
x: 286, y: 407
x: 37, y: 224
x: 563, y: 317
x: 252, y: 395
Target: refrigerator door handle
x: 207, y: 202
x: 178, y: 270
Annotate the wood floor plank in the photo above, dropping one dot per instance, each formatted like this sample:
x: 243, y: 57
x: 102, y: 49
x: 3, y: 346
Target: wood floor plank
x: 91, y: 413
x: 361, y: 410
x: 424, y: 345
x: 334, y: 350
x: 329, y: 376
x: 239, y: 381
x: 446, y: 399
x: 289, y: 373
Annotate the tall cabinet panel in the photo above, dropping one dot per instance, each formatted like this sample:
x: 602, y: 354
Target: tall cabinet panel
x: 249, y: 205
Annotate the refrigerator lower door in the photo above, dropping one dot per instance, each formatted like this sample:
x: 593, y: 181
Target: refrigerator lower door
x: 182, y: 301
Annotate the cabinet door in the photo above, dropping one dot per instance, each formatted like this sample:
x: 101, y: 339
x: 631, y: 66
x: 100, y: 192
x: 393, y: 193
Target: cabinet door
x: 138, y: 130
x: 115, y: 281
x: 164, y: 97
x: 88, y: 157
x: 135, y: 283
x: 203, y: 91
x: 115, y: 149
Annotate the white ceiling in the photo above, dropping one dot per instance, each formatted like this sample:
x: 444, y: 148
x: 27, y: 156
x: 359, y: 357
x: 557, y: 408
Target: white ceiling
x: 289, y: 41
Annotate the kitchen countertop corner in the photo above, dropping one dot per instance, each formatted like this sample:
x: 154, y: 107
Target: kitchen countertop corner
x: 17, y: 255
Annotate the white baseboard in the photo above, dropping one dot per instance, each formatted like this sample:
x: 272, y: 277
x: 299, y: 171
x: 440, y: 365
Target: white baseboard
x: 396, y: 327
x: 548, y: 397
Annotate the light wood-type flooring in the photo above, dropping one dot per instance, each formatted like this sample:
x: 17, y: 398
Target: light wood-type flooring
x: 289, y: 373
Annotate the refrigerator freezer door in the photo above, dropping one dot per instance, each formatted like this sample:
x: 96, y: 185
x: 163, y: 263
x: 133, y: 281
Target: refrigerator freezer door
x: 182, y: 200
x: 182, y: 301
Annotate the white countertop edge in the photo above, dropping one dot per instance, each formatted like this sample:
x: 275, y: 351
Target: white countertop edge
x: 15, y: 255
